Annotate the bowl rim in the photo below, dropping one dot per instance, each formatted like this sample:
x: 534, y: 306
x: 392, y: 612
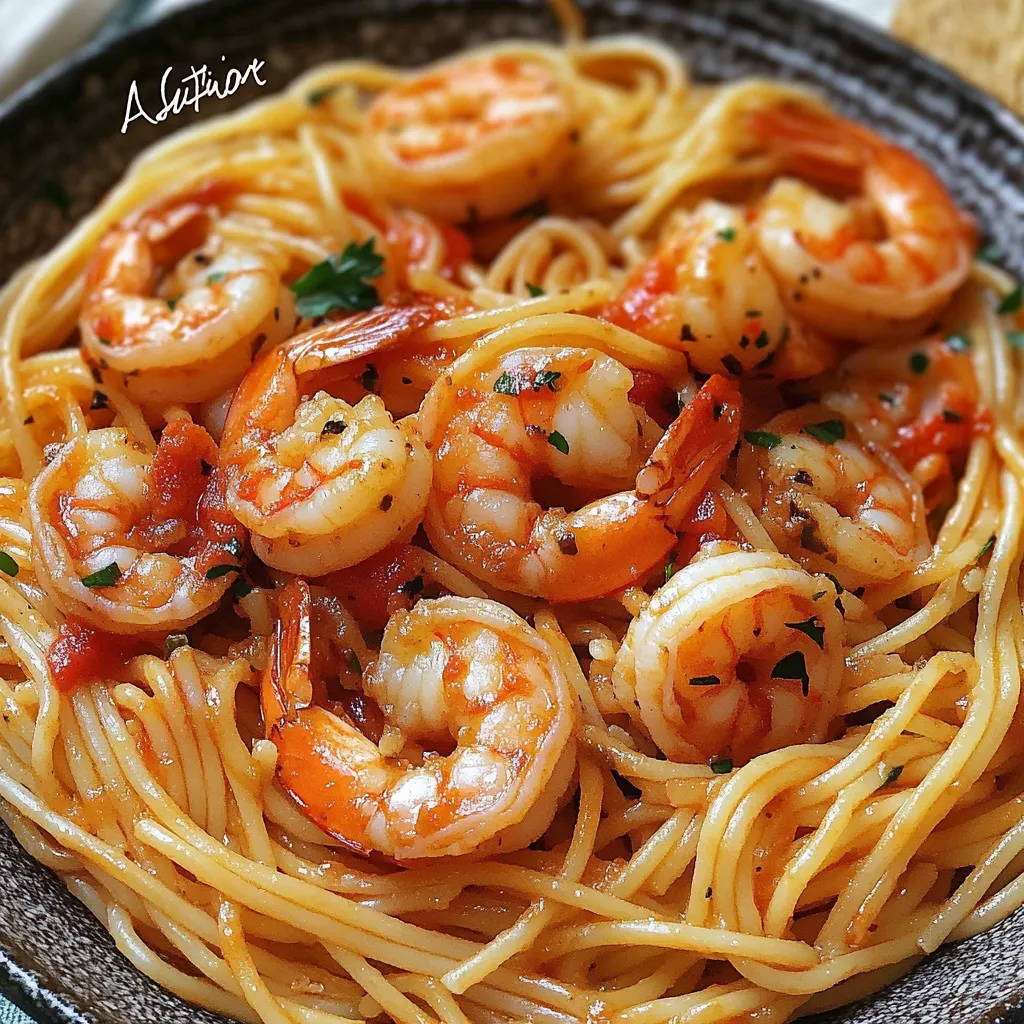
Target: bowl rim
x: 23, y: 986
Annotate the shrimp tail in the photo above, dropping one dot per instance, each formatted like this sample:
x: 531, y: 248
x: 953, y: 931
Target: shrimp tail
x: 287, y: 681
x: 699, y: 440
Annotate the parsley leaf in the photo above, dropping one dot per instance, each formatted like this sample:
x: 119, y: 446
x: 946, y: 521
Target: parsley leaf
x: 987, y: 547
x: 8, y: 564
x: 352, y: 660
x: 705, y: 681
x: 722, y: 766
x: 535, y: 290
x: 828, y: 431
x: 893, y: 774
x: 506, y: 384
x: 241, y: 588
x: 412, y: 587
x: 105, y: 577
x: 727, y: 234
x: 546, y: 378
x: 1015, y: 339
x: 811, y: 628
x: 316, y: 96
x: 670, y: 568
x: 216, y: 571
x: 1011, y: 303
x: 340, y: 281
x: 215, y: 277
x: 173, y: 642
x: 918, y: 362
x: 556, y: 440
x: 762, y: 438
x: 793, y: 666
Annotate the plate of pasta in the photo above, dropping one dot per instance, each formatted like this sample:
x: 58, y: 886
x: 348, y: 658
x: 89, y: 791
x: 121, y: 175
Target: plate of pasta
x: 518, y: 518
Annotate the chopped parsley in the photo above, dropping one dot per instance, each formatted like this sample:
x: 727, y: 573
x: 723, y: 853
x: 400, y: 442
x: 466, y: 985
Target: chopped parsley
x: 670, y: 568
x: 1015, y: 339
x: 340, y: 282
x: 793, y: 666
x: 828, y: 431
x: 835, y: 583
x: 99, y: 400
x: 918, y: 362
x: 538, y: 208
x: 369, y: 377
x: 352, y: 660
x: 8, y: 564
x: 216, y: 571
x: 812, y: 628
x: 506, y: 384
x: 732, y: 364
x: 535, y: 290
x: 171, y: 303
x: 316, y: 96
x: 241, y: 588
x: 216, y: 277
x: 705, y: 681
x: 893, y: 774
x: 722, y: 766
x: 990, y: 253
x: 1011, y: 303
x: 105, y: 577
x: 173, y: 642
x: 556, y: 440
x: 546, y: 379
x: 762, y: 438
x: 727, y: 234
x: 412, y: 587
x: 987, y: 547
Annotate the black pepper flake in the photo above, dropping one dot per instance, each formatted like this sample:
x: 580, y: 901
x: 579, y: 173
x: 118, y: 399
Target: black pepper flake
x: 567, y: 543
x: 407, y: 380
x: 732, y: 364
x: 951, y: 417
x: 386, y: 502
x: 686, y: 334
x: 99, y: 400
x: 28, y: 420
x: 202, y: 259
x: 707, y: 895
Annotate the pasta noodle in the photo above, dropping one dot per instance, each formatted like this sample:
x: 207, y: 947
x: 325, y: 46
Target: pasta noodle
x: 715, y: 836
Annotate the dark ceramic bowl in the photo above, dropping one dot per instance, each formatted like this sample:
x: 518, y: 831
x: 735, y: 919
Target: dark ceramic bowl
x: 61, y: 147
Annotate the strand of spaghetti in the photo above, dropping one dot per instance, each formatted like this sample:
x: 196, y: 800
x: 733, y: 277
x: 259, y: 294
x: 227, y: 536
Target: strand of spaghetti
x: 253, y: 988
x: 540, y: 914
x: 786, y: 953
x: 389, y: 998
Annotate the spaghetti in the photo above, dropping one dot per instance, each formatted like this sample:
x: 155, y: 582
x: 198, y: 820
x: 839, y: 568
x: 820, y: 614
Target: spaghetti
x: 754, y: 744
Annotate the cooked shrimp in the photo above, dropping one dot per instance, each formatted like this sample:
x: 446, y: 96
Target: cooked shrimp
x: 919, y: 401
x: 462, y: 671
x: 478, y: 137
x: 561, y: 418
x: 867, y: 269
x: 740, y: 653
x: 707, y: 287
x: 216, y: 304
x: 134, y: 541
x: 322, y: 484
x: 831, y: 502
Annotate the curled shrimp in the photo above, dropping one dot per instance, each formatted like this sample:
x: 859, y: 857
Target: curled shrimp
x: 740, y: 653
x: 706, y: 287
x: 880, y: 265
x: 919, y: 401
x: 131, y: 540
x: 462, y: 671
x: 320, y: 483
x: 194, y: 335
x: 478, y: 137
x: 561, y: 418
x: 831, y: 502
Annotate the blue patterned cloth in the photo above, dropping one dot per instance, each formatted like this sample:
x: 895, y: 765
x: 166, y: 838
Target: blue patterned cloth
x: 10, y: 1014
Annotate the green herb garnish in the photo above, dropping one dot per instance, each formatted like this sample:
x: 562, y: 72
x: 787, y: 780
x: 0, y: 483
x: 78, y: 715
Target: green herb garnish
x: 918, y: 362
x: 727, y: 234
x: 535, y: 290
x: 105, y: 577
x: 8, y: 564
x: 811, y: 628
x: 1011, y: 303
x: 723, y: 766
x: 893, y: 774
x: 828, y: 431
x: 762, y: 438
x: 546, y: 379
x: 506, y: 384
x: 705, y: 681
x: 173, y: 642
x: 216, y: 571
x: 793, y: 666
x: 556, y: 440
x: 340, y: 282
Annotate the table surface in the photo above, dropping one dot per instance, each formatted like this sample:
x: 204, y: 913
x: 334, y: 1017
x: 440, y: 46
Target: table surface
x: 37, y: 34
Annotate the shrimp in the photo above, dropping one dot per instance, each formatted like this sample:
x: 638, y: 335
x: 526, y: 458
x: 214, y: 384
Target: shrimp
x: 134, y: 541
x: 832, y: 503
x: 919, y: 401
x: 740, y: 653
x: 194, y: 336
x: 322, y: 484
x: 473, y: 138
x: 869, y: 269
x: 560, y: 420
x: 707, y: 287
x: 455, y: 671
